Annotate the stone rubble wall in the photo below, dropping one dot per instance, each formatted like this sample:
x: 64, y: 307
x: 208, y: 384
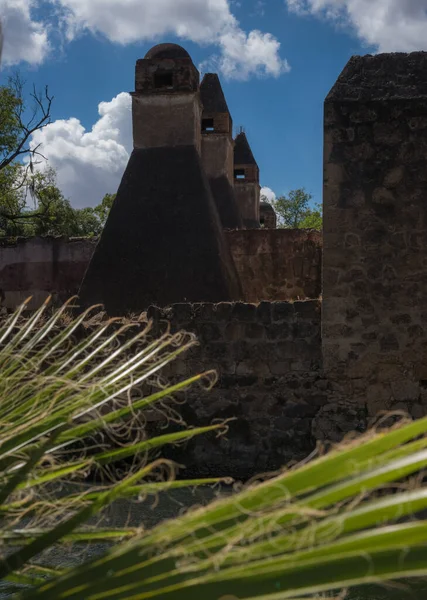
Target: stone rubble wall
x: 268, y: 357
x: 374, y: 325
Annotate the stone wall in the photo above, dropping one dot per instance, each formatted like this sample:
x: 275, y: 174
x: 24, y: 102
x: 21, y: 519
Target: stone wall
x: 39, y: 267
x: 272, y: 265
x: 268, y: 357
x: 278, y: 264
x: 375, y: 232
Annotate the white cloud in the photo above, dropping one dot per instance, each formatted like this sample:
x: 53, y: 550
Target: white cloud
x: 243, y: 55
x: 268, y: 193
x: 205, y: 22
x: 389, y: 25
x: 89, y: 164
x: 25, y: 39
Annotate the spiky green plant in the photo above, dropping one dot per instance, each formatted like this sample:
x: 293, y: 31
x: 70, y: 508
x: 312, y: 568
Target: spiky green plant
x: 65, y: 380
x: 339, y: 520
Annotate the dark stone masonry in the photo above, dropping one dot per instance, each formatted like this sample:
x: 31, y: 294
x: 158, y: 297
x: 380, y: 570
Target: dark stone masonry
x: 268, y: 357
x: 313, y: 335
x: 375, y: 232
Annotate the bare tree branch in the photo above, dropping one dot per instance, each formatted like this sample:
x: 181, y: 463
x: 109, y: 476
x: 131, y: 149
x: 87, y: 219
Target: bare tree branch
x: 40, y: 118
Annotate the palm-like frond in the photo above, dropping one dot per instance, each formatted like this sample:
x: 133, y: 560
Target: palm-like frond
x: 63, y: 381
x: 340, y: 520
x: 319, y: 527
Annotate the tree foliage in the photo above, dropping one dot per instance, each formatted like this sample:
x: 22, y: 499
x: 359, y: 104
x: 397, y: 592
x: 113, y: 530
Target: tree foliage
x: 294, y: 212
x: 102, y: 210
x: 30, y: 201
x: 41, y: 209
x: 20, y: 119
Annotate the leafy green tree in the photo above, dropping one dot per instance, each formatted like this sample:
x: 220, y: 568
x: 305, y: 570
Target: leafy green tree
x: 36, y: 208
x: 313, y: 218
x: 12, y: 201
x: 294, y: 212
x: 30, y: 201
x: 19, y: 120
x: 39, y: 207
x: 102, y: 210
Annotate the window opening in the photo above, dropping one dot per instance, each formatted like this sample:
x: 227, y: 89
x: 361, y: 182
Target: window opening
x: 208, y: 125
x: 239, y: 174
x: 163, y: 80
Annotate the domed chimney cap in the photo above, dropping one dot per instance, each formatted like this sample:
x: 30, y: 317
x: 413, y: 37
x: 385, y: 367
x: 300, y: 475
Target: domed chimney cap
x: 167, y: 51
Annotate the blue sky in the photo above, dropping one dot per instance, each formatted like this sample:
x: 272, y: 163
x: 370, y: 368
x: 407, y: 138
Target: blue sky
x: 277, y: 61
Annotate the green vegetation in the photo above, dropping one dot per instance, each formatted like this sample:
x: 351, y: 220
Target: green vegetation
x: 64, y: 381
x: 293, y: 211
x: 343, y: 519
x: 30, y: 201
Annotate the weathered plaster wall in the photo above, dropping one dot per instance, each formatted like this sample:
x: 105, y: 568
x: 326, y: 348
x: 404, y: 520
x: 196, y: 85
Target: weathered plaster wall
x: 278, y: 264
x: 268, y: 357
x: 272, y: 265
x: 39, y: 267
x: 375, y: 232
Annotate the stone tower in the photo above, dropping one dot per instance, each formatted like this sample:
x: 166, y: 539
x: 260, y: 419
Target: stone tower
x: 374, y: 315
x: 218, y: 150
x: 246, y: 182
x: 163, y: 242
x: 166, y: 107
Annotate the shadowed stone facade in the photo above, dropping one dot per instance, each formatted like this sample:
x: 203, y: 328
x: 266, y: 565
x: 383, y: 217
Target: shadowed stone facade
x: 293, y: 372
x: 178, y: 254
x: 375, y: 230
x: 246, y: 182
x: 164, y: 237
x: 218, y: 150
x: 163, y: 241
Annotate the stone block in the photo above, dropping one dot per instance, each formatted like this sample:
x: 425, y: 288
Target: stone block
x: 283, y: 311
x: 255, y: 331
x: 182, y: 312
x: 206, y: 311
x: 389, y: 343
x: 301, y: 366
x: 405, y: 390
x: 280, y: 367
x: 253, y: 367
x: 264, y: 313
x: 209, y: 332
x: 281, y: 331
x: 223, y: 311
x: 235, y: 331
x: 244, y: 312
x: 309, y: 309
